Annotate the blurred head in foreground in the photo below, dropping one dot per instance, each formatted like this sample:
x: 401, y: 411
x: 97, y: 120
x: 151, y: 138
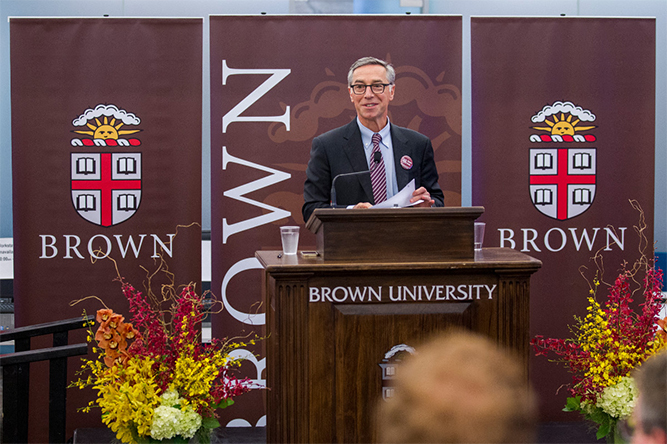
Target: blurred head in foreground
x: 458, y: 388
x: 650, y: 414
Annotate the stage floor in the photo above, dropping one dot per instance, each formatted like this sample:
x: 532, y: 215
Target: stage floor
x: 550, y: 432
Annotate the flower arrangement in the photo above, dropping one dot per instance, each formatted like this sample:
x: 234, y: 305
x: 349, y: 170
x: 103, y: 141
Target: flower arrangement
x: 155, y: 379
x: 612, y: 339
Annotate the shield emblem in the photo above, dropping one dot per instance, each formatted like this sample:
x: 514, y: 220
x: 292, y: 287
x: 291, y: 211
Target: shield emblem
x: 389, y: 365
x: 562, y: 180
x: 106, y: 187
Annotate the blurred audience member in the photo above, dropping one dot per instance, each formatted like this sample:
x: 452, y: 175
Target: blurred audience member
x: 459, y: 388
x: 650, y: 414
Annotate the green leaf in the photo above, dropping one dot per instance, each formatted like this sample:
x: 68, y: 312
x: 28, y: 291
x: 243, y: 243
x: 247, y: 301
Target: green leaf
x: 223, y: 404
x: 599, y: 416
x: 603, y: 431
x: 573, y: 404
x: 210, y: 423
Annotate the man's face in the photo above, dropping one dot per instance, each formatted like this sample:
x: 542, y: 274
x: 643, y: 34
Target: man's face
x: 371, y: 107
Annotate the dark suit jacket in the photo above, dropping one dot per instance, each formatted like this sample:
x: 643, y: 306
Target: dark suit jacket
x: 341, y: 151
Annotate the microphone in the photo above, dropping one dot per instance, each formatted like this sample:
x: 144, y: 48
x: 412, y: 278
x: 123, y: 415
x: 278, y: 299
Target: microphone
x: 333, y: 183
x: 377, y: 156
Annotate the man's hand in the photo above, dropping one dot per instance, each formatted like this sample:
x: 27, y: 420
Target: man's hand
x: 421, y: 193
x: 362, y: 205
x: 418, y: 194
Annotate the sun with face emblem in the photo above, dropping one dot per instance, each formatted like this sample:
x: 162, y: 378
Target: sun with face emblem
x: 106, y: 129
x: 104, y: 122
x: 563, y: 126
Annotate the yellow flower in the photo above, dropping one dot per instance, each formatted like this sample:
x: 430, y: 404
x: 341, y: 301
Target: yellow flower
x: 127, y: 395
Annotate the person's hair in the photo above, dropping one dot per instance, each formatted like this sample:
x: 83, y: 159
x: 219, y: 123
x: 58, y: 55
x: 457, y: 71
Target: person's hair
x: 458, y: 388
x: 391, y: 73
x: 651, y: 379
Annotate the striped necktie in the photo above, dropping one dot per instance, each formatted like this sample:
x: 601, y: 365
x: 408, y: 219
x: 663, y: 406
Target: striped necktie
x: 378, y: 175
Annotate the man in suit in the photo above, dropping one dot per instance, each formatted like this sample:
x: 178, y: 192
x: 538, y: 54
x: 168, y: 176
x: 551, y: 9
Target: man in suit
x: 393, y: 155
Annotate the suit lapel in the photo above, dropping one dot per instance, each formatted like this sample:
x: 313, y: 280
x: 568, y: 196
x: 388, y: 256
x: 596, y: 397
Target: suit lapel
x: 401, y: 148
x: 354, y: 150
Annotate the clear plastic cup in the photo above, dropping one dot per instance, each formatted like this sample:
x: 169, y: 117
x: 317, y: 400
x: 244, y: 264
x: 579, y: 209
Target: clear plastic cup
x: 290, y: 238
x: 479, y: 235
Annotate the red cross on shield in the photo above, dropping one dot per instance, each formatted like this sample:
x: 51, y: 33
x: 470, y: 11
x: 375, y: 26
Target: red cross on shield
x: 106, y: 187
x: 562, y: 180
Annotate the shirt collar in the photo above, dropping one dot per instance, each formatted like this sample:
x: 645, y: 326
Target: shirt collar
x: 367, y: 135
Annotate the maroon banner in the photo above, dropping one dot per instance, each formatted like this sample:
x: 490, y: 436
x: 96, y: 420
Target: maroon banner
x: 278, y: 82
x: 563, y: 120
x: 106, y: 151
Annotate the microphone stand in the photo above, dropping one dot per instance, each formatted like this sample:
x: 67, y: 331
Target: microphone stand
x: 334, y: 203
x: 377, y: 156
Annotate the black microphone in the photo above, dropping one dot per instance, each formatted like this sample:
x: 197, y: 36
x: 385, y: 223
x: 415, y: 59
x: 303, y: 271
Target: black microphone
x: 333, y: 183
x: 377, y: 156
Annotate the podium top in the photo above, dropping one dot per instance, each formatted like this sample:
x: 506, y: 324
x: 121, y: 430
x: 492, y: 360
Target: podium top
x: 495, y: 258
x: 395, y: 234
x: 323, y: 215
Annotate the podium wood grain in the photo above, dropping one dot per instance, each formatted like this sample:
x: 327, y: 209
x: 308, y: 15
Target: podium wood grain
x: 323, y: 357
x: 395, y: 234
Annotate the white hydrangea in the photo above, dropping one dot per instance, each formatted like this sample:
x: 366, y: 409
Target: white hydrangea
x: 190, y: 422
x: 170, y: 398
x: 165, y: 422
x: 619, y: 400
x: 169, y: 421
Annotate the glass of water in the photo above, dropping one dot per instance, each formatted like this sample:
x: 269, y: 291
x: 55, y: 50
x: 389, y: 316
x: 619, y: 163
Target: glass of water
x: 290, y: 239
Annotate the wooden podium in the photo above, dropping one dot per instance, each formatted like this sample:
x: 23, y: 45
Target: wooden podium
x: 384, y: 281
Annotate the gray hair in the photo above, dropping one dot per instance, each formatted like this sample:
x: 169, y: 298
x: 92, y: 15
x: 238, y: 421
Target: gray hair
x: 391, y: 73
x: 652, y: 385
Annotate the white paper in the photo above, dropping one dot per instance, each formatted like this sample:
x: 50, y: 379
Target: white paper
x: 6, y: 258
x: 401, y: 199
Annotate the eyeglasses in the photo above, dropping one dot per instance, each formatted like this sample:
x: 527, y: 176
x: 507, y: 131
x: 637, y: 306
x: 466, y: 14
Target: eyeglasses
x: 377, y: 88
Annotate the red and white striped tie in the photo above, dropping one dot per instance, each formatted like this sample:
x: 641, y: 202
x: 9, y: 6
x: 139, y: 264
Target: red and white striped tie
x: 378, y: 176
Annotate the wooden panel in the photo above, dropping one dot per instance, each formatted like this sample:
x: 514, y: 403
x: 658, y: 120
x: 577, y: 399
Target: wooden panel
x: 322, y: 376
x: 288, y: 345
x: 395, y: 235
x: 330, y: 324
x: 361, y: 344
x: 514, y: 315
